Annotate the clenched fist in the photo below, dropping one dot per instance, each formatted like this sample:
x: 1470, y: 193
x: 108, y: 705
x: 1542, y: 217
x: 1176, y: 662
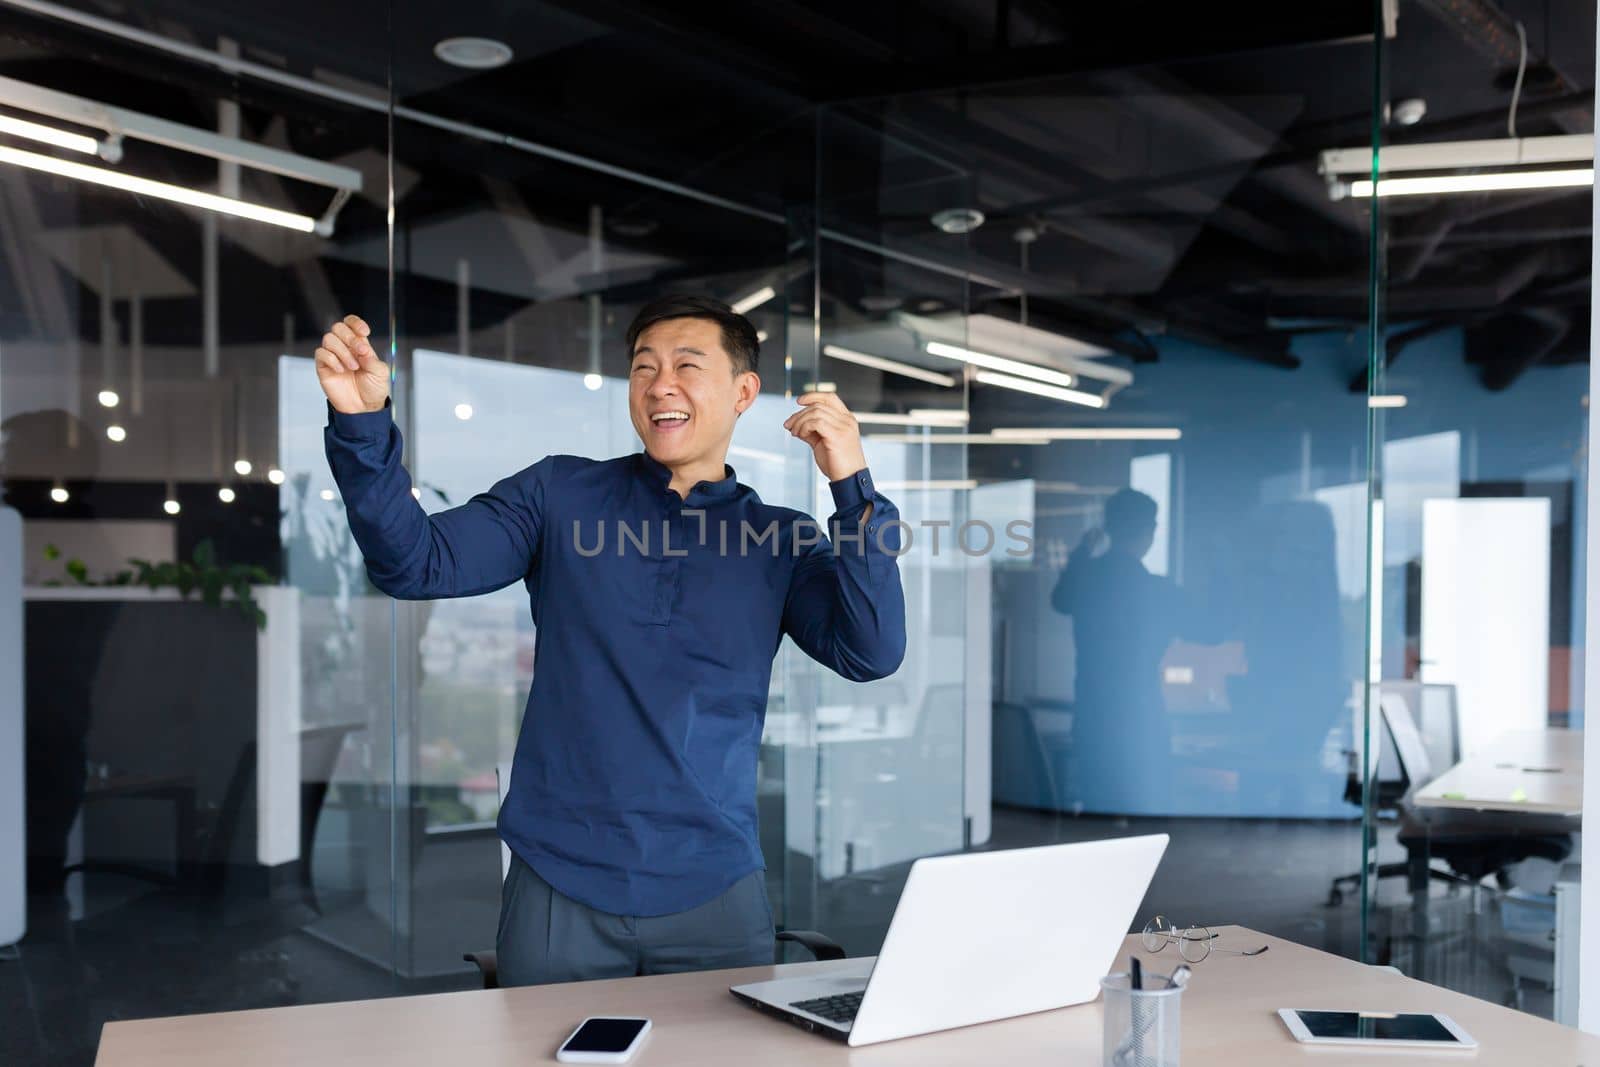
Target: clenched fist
x: 352, y: 375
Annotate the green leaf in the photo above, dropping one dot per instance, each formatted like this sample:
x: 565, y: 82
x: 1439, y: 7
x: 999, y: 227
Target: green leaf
x: 78, y: 571
x: 51, y: 552
x: 205, y: 554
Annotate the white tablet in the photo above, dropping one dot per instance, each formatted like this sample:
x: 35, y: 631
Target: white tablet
x: 1376, y: 1029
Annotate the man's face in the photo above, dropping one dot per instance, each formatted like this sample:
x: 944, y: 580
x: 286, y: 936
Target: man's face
x: 683, y: 395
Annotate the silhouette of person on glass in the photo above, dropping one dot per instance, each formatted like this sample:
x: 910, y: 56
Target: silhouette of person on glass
x: 1123, y: 619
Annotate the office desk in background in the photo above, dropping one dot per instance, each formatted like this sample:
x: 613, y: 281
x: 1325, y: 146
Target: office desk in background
x: 1536, y: 772
x: 1229, y: 1017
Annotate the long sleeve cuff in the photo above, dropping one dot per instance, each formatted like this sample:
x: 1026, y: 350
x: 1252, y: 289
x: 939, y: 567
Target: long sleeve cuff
x: 365, y: 425
x: 852, y: 493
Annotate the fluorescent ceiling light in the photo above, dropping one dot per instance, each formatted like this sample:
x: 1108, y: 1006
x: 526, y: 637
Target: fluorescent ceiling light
x: 120, y: 123
x: 916, y: 417
x: 755, y: 453
x: 1391, y: 400
x: 176, y: 194
x: 1492, y: 182
x: 1000, y: 363
x: 33, y: 131
x: 888, y: 366
x: 754, y: 300
x: 1490, y: 157
x: 1028, y: 345
x: 1458, y: 155
x: 1023, y: 385
x: 955, y: 439
x: 1092, y: 433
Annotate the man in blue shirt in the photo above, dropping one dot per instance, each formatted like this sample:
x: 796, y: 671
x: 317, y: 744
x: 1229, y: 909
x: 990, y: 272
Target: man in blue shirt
x: 660, y: 588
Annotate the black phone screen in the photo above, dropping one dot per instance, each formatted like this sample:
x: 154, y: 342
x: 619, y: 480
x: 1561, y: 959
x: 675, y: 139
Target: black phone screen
x: 604, y: 1035
x: 1374, y: 1027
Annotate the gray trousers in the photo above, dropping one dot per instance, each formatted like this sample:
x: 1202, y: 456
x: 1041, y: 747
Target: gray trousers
x: 546, y: 937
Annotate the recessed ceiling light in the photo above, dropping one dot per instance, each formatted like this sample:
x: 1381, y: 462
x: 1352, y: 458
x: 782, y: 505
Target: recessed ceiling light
x: 275, y: 476
x: 117, y: 434
x: 242, y: 467
x: 473, y: 53
x: 592, y: 381
x: 880, y: 303
x: 1410, y: 111
x: 226, y: 495
x: 958, y: 219
x: 109, y: 398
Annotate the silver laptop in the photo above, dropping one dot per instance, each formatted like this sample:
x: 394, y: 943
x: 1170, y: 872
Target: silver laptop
x: 978, y: 937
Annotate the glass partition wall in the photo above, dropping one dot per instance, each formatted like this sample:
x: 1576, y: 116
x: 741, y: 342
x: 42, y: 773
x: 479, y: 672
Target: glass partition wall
x: 209, y: 678
x: 1480, y: 404
x: 1142, y: 382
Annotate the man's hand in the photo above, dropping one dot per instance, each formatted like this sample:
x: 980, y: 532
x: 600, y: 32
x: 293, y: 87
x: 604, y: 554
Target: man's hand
x: 352, y: 375
x: 827, y: 426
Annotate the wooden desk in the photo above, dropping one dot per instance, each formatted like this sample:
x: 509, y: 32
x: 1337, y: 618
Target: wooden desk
x: 1533, y: 771
x: 1229, y: 1017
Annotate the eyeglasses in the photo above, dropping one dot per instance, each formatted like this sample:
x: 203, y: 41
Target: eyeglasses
x: 1194, y: 942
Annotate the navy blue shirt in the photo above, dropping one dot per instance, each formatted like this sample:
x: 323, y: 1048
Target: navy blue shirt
x: 634, y: 784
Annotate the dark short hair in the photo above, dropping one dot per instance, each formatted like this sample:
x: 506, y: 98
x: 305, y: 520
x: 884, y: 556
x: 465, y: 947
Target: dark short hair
x: 738, y: 336
x: 1129, y: 511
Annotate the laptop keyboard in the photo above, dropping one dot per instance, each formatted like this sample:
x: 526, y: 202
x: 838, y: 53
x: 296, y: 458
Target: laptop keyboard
x: 838, y: 1009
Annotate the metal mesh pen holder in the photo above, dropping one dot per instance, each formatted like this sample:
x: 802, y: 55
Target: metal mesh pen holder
x: 1141, y: 1025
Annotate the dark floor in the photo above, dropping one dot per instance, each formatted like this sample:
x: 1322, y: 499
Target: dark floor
x: 143, y: 951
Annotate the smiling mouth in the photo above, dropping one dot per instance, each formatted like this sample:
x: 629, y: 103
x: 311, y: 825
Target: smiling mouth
x: 669, y: 421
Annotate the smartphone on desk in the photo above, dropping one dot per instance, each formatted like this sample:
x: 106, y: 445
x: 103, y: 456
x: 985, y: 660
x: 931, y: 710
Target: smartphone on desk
x: 604, y: 1039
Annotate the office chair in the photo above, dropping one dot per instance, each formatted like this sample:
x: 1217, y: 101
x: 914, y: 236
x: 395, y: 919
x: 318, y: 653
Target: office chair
x: 319, y: 755
x: 1473, y: 845
x: 487, y: 961
x: 1391, y: 781
x: 1020, y: 770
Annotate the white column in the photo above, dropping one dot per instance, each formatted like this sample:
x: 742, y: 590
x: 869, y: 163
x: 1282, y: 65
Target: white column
x: 13, y: 837
x: 278, y: 727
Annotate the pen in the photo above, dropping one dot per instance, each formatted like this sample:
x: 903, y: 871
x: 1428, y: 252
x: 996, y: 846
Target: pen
x: 1136, y: 976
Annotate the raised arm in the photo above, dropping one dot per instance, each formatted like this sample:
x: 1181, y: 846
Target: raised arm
x: 485, y: 544
x: 845, y: 606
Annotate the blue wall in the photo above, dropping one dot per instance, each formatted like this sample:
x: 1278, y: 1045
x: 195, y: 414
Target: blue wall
x: 1270, y: 570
